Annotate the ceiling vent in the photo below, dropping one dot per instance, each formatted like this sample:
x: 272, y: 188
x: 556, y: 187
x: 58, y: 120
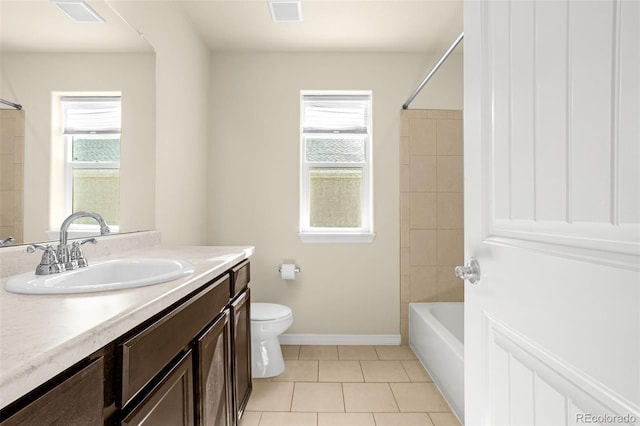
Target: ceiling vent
x: 285, y: 10
x: 78, y: 10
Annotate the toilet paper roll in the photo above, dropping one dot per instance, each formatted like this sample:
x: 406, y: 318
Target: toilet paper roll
x: 288, y: 271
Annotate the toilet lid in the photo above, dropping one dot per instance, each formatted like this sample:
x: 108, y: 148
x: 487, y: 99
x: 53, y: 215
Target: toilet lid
x: 268, y: 311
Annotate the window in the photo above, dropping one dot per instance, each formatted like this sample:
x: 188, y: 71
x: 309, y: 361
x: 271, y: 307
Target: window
x: 92, y: 138
x: 335, y: 199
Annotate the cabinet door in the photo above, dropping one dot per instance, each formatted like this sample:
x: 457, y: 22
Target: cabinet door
x: 170, y: 402
x: 78, y: 400
x: 240, y: 308
x: 213, y: 375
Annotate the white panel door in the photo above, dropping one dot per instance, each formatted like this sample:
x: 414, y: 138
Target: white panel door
x: 552, y: 211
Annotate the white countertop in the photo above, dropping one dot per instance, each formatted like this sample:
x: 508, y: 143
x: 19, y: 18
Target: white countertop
x: 42, y: 335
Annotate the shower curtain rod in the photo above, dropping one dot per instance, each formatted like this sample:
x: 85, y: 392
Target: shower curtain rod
x: 433, y: 71
x: 11, y: 104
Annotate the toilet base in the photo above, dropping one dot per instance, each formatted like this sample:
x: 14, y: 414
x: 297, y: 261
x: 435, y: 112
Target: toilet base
x: 267, y: 360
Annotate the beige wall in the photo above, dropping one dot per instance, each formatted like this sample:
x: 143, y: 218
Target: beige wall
x: 182, y: 119
x: 254, y: 190
x: 31, y: 78
x: 431, y: 200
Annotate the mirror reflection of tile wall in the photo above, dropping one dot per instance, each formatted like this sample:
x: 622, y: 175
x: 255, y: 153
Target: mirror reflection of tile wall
x: 11, y: 174
x: 431, y: 209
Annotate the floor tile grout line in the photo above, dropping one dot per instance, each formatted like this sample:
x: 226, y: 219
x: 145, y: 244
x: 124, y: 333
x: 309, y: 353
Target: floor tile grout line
x: 395, y: 398
x: 407, y: 372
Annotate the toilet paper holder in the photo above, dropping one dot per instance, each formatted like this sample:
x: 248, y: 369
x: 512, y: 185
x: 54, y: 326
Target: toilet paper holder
x: 297, y: 269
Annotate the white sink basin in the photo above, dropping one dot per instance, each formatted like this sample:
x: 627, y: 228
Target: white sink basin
x: 109, y: 275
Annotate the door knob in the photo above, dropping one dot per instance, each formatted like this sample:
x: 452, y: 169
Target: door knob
x: 471, y: 271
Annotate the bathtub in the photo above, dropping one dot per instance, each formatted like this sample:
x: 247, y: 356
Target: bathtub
x: 436, y: 335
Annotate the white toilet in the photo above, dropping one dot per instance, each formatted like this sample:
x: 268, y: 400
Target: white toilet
x: 268, y: 321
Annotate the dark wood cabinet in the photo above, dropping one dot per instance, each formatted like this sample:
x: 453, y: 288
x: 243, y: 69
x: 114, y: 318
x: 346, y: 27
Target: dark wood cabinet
x: 146, y: 353
x: 240, y: 277
x: 77, y: 399
x: 189, y: 364
x: 170, y: 402
x: 213, y: 378
x: 242, y: 385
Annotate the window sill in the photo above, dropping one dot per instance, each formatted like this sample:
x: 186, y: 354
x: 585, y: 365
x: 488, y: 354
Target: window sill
x: 337, y: 237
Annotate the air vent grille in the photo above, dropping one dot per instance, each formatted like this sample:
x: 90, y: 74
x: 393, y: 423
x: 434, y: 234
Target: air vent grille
x: 78, y: 10
x: 285, y: 10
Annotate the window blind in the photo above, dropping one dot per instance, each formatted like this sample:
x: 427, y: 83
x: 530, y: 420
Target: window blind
x: 335, y: 114
x: 91, y: 115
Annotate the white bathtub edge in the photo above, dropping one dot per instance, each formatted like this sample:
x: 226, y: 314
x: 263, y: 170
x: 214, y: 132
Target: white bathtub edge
x: 438, y: 356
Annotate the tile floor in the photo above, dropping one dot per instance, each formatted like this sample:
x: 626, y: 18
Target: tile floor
x: 348, y: 386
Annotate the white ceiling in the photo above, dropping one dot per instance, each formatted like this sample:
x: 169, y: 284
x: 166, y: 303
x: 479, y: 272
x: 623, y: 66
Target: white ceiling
x: 39, y: 26
x: 244, y: 25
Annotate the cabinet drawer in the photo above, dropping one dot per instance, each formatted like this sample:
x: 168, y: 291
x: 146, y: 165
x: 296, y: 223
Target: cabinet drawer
x: 240, y: 277
x: 145, y: 354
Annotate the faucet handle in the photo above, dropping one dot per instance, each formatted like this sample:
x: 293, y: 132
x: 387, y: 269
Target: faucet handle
x: 89, y: 240
x: 76, y: 252
x: 31, y: 248
x: 49, y: 262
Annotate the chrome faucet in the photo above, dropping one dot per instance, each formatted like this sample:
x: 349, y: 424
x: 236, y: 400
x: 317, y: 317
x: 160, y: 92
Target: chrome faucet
x: 64, y: 228
x: 7, y: 241
x: 64, y: 258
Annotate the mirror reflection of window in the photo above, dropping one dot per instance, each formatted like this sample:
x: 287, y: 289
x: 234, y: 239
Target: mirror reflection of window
x: 92, y: 127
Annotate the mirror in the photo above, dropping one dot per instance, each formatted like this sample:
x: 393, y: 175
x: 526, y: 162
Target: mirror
x: 45, y: 55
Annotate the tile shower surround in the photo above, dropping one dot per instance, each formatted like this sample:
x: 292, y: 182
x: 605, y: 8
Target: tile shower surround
x: 431, y: 209
x: 11, y: 171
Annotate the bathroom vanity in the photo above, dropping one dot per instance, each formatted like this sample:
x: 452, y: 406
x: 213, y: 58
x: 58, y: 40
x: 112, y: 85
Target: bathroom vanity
x: 176, y: 353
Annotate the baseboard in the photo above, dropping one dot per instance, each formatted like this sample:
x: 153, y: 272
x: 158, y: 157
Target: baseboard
x: 340, y: 339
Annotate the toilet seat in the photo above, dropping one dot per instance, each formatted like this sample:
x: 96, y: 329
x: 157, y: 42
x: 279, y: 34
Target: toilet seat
x: 269, y: 311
